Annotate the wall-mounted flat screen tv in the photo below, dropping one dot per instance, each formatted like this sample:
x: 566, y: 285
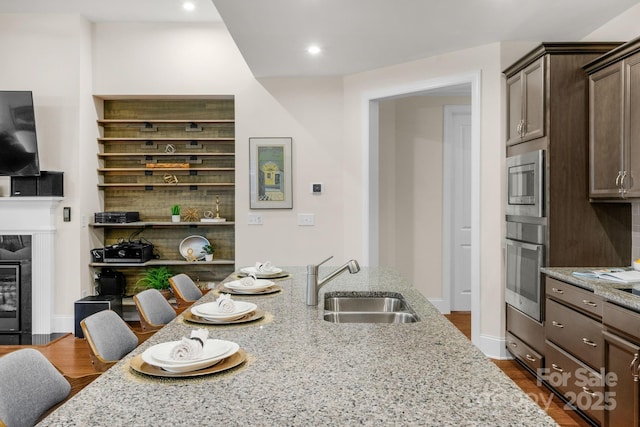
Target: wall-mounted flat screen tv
x: 18, y: 142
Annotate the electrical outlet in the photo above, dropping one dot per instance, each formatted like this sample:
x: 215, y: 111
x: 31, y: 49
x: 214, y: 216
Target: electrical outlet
x: 254, y: 219
x: 306, y: 219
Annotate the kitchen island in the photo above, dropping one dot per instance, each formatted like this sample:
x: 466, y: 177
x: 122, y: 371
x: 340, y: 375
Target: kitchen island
x: 304, y: 371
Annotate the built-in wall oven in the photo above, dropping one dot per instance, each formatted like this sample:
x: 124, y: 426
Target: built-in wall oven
x: 525, y: 233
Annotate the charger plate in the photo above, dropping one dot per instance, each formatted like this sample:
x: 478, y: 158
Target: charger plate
x: 139, y: 365
x: 270, y: 290
x: 249, y: 317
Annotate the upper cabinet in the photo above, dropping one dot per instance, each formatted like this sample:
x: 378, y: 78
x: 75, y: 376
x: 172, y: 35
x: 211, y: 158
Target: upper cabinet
x: 614, y: 124
x: 525, y: 94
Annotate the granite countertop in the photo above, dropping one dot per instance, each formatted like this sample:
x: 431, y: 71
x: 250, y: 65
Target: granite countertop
x: 608, y: 289
x: 304, y: 371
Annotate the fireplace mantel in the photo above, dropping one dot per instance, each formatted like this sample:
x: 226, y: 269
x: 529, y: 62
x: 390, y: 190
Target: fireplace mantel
x: 35, y: 216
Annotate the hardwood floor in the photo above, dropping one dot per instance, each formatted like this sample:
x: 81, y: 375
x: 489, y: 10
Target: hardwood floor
x: 71, y: 356
x: 537, y: 392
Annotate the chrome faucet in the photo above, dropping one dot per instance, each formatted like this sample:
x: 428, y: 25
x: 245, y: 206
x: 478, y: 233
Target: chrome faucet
x: 314, y: 285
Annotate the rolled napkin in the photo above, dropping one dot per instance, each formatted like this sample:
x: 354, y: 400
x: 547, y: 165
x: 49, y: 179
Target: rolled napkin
x: 264, y: 267
x: 225, y: 304
x: 248, y: 281
x: 190, y: 348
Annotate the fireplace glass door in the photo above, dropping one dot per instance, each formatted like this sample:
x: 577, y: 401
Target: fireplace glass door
x: 9, y: 296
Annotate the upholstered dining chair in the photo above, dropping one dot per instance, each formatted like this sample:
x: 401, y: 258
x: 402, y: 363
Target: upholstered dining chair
x: 184, y: 290
x: 109, y: 338
x: 154, y: 309
x: 31, y: 387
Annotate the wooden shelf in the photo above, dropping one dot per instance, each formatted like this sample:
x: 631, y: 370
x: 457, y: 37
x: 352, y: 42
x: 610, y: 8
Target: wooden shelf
x: 116, y: 122
x: 164, y: 185
x: 160, y: 262
x: 143, y: 171
x: 159, y: 224
x: 167, y: 139
x: 138, y: 155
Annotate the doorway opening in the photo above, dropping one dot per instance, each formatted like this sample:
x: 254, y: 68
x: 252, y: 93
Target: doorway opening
x: 378, y: 155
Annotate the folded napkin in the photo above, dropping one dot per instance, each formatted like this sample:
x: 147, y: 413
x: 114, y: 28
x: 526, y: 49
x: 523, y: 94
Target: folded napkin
x: 190, y: 348
x: 264, y: 267
x: 248, y: 281
x: 225, y: 304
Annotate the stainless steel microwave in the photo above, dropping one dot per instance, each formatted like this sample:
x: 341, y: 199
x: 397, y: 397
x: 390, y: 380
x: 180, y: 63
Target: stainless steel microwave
x: 525, y: 184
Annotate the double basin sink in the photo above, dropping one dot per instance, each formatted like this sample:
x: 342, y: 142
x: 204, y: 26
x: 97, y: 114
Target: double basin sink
x: 365, y: 307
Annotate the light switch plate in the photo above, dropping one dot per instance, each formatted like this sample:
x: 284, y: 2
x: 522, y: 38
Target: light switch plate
x: 306, y: 219
x: 254, y: 219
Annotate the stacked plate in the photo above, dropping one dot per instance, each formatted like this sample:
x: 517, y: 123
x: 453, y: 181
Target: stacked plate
x: 244, y: 286
x: 213, y: 352
x: 210, y: 311
x: 263, y: 273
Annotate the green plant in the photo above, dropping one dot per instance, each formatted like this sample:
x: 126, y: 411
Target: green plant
x: 175, y: 210
x: 156, y: 278
x: 207, y: 249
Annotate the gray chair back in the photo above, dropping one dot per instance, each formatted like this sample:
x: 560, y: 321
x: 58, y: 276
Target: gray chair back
x: 29, y: 386
x: 154, y: 307
x: 183, y: 285
x: 111, y: 336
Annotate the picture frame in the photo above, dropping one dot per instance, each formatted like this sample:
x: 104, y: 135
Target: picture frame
x: 270, y: 173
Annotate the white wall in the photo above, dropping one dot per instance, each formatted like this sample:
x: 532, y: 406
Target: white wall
x: 411, y: 186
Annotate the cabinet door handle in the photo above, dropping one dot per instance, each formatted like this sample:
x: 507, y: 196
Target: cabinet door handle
x: 623, y: 189
x: 557, y: 325
x: 557, y: 368
x: 524, y: 128
x: 513, y: 344
x: 518, y: 128
x: 588, y: 391
x: 589, y: 342
x: 530, y: 358
x: 557, y: 291
x: 618, y: 179
x: 632, y: 367
x: 589, y: 303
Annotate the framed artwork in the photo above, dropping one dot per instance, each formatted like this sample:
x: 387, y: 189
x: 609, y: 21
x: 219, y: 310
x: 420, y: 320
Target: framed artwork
x: 270, y: 173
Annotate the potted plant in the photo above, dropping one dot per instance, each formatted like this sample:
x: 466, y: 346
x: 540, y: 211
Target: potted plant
x: 207, y: 250
x: 156, y: 278
x: 175, y: 213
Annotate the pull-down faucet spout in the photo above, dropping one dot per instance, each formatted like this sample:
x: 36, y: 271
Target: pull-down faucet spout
x: 314, y: 285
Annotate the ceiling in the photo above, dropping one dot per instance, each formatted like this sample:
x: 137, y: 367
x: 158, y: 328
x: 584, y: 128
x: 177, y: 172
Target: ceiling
x: 355, y: 35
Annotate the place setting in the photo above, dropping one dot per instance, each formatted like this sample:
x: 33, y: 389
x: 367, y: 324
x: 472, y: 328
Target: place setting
x: 263, y: 270
x: 257, y: 280
x: 223, y: 311
x: 191, y: 356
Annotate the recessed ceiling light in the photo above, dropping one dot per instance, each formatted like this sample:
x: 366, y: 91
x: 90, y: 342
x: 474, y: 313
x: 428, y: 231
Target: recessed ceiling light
x: 314, y: 49
x: 189, y: 6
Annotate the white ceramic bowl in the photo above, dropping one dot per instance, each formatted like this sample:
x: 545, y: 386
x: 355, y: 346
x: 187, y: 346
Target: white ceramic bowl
x: 195, y: 243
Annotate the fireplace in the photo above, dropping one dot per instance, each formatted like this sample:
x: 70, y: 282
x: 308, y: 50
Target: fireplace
x: 10, y: 296
x: 27, y: 232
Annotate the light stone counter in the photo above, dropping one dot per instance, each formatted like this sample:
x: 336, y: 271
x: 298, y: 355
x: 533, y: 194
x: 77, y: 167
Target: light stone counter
x: 304, y: 371
x: 607, y: 289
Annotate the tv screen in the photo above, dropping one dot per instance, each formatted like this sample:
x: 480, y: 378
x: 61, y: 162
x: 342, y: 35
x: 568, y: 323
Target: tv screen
x: 18, y: 143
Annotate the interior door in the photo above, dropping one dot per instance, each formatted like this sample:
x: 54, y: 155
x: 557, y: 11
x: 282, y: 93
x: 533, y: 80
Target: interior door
x: 461, y: 210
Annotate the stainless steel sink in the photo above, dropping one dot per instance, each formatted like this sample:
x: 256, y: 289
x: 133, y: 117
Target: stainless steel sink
x: 368, y: 308
x: 368, y: 317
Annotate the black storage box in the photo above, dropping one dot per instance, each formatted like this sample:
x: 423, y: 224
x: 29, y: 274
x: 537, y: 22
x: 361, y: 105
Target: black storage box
x: 87, y: 306
x: 48, y: 183
x: 110, y: 282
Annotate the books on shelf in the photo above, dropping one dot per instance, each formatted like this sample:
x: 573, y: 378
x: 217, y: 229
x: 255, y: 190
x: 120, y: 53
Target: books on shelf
x: 613, y: 274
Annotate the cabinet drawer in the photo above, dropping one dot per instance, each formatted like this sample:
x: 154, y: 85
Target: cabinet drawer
x: 525, y: 328
x: 622, y: 319
x: 580, y: 385
x: 525, y: 353
x: 574, y: 332
x: 574, y: 296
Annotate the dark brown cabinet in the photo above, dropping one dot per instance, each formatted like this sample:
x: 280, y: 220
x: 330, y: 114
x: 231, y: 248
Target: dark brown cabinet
x: 526, y: 106
x: 621, y: 364
x: 614, y: 124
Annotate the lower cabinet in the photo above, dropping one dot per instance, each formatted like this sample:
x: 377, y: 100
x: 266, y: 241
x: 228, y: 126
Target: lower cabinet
x: 622, y: 366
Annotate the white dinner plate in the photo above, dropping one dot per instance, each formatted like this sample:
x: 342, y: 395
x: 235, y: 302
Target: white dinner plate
x: 259, y: 285
x: 209, y: 310
x: 190, y: 365
x: 274, y: 271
